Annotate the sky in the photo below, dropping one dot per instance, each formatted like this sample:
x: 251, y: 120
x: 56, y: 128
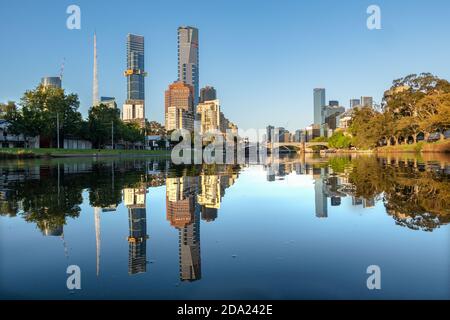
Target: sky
x: 264, y: 57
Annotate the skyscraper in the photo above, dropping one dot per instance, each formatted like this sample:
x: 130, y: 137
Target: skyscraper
x: 207, y: 94
x: 95, y: 98
x: 354, y: 103
x: 134, y: 107
x: 188, y: 66
x: 179, y: 106
x: 367, y: 102
x: 319, y: 102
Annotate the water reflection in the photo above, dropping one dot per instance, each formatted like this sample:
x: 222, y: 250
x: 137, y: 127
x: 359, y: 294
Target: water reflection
x: 415, y: 193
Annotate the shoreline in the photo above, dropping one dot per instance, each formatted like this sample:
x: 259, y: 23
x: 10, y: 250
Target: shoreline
x: 7, y: 154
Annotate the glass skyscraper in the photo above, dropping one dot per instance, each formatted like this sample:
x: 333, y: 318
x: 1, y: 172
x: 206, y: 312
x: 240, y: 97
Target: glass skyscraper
x: 319, y: 102
x: 135, y: 68
x: 188, y: 69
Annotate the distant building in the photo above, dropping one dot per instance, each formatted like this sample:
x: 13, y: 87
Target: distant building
x: 51, y: 82
x: 209, y: 115
x: 343, y: 120
x: 179, y: 106
x: 10, y: 140
x: 367, y: 102
x: 333, y: 103
x: 134, y: 111
x: 354, y: 103
x: 109, y: 101
x: 269, y: 133
x: 188, y: 62
x: 207, y: 94
x: 319, y: 102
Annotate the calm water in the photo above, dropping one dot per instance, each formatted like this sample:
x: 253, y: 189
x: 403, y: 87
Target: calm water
x: 145, y: 229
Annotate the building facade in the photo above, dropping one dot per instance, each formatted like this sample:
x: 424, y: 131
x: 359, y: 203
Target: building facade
x: 188, y: 60
x: 51, y: 82
x: 134, y: 107
x: 319, y: 102
x: 207, y: 94
x: 179, y: 106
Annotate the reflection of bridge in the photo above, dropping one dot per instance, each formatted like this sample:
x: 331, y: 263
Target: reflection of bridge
x: 299, y: 146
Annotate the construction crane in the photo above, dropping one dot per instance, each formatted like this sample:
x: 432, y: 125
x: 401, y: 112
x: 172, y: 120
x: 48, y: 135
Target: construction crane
x: 62, y: 69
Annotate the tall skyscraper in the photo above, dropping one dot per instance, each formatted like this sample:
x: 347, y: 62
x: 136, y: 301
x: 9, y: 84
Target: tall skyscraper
x: 179, y: 106
x: 183, y: 214
x: 207, y: 94
x: 95, y: 96
x: 354, y: 103
x: 134, y: 107
x: 134, y: 199
x: 367, y: 102
x: 188, y: 64
x: 319, y: 102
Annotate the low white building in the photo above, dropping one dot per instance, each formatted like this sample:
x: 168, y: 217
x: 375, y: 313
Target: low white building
x: 9, y: 140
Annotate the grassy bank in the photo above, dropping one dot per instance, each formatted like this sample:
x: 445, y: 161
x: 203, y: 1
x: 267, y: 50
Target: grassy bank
x: 439, y: 146
x: 11, y: 153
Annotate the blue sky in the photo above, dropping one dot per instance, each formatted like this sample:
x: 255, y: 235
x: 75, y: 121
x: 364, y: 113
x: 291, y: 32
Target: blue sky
x: 263, y: 56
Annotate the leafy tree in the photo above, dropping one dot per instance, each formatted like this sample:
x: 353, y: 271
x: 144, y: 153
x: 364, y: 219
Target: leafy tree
x: 339, y: 140
x: 101, y: 119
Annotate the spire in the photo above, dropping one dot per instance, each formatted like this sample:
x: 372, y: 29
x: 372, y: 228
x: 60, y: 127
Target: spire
x: 95, y: 98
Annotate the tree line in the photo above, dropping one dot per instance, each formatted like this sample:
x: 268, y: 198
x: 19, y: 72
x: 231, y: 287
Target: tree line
x: 416, y: 105
x: 42, y: 109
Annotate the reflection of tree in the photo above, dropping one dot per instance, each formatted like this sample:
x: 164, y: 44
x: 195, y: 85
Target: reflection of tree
x: 415, y: 199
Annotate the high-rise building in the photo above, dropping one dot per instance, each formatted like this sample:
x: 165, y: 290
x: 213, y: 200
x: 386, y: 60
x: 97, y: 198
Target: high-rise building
x: 367, y: 102
x: 207, y: 94
x: 134, y: 107
x: 209, y: 114
x: 188, y: 61
x: 134, y: 199
x: 269, y: 133
x: 51, y: 82
x: 319, y: 102
x: 179, y: 106
x: 354, y: 103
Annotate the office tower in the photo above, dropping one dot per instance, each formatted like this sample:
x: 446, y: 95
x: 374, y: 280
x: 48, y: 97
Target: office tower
x: 367, y: 102
x: 134, y: 200
x: 189, y: 250
x: 319, y: 102
x: 95, y: 98
x: 179, y: 106
x: 134, y: 107
x: 333, y: 103
x: 51, y: 82
x: 183, y: 214
x: 109, y: 101
x: 320, y: 197
x: 354, y: 103
x: 207, y: 94
x: 269, y: 133
x: 209, y: 115
x: 188, y: 64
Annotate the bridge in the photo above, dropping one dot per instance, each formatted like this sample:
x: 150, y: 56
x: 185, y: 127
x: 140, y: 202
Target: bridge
x: 299, y: 146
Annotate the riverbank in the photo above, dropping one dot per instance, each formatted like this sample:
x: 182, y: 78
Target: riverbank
x: 425, y: 147
x: 16, y: 153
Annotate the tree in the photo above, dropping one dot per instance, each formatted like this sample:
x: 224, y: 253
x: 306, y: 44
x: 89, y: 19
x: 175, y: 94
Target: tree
x: 39, y: 110
x: 101, y: 118
x: 339, y: 140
